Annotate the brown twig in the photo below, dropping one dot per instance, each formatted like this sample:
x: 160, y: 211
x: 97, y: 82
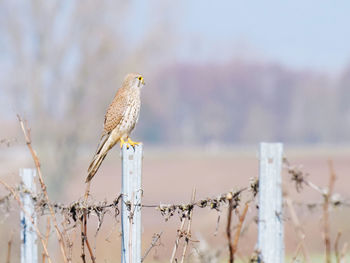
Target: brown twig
x: 179, y: 231
x: 217, y: 223
x: 228, y: 228
x: 297, y: 228
x: 155, y: 239
x: 186, y: 214
x: 26, y: 133
x: 87, y: 191
x: 93, y: 258
x: 343, y: 252
x: 327, y: 196
x: 86, y: 196
x: 239, y: 227
x: 336, y: 247
x: 48, y: 227
x: 69, y: 242
x: 188, y: 233
x: 82, y: 240
x: 9, y: 188
x: 296, y: 253
x: 9, y: 246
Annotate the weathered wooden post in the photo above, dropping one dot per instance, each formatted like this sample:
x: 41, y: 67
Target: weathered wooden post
x: 29, y: 246
x: 270, y: 233
x: 131, y: 205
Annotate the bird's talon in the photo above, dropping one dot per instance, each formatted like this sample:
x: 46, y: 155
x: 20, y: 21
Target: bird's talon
x: 132, y: 143
x: 122, y: 142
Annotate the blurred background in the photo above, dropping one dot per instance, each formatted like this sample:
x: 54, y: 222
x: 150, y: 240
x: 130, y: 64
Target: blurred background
x: 220, y: 78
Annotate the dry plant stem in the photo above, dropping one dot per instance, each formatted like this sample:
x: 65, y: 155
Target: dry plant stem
x: 87, y: 191
x: 87, y: 241
x: 343, y: 252
x: 28, y: 140
x: 313, y: 186
x: 336, y: 247
x: 298, y: 228
x: 85, y: 238
x: 48, y: 227
x: 239, y: 227
x: 179, y: 235
x: 179, y: 231
x: 9, y: 245
x: 327, y: 197
x: 68, y: 241
x: 296, y: 253
x: 228, y: 228
x: 82, y: 241
x: 9, y: 188
x: 155, y: 239
x: 188, y: 233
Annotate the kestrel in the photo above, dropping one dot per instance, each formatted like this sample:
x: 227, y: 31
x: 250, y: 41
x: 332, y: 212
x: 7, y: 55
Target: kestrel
x: 120, y: 119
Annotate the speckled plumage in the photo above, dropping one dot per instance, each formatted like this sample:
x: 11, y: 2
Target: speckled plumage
x: 120, y: 119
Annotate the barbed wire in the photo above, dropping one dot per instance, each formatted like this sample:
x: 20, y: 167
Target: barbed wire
x: 75, y: 210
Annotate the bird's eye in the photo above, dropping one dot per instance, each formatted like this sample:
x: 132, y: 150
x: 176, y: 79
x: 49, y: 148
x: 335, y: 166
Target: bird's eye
x: 140, y: 78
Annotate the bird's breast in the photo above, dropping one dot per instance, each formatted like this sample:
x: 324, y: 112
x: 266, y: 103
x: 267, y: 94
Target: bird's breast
x: 130, y: 117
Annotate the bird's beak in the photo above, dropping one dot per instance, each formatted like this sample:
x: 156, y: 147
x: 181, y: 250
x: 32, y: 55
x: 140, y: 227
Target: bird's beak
x: 143, y: 81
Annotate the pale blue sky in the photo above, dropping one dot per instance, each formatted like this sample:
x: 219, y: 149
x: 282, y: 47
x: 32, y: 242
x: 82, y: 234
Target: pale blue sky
x: 301, y: 34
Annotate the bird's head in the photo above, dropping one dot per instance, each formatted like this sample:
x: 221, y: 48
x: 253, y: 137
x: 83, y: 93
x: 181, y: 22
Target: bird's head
x: 134, y: 80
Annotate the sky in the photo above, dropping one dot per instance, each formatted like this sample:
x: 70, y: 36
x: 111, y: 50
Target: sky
x: 300, y: 34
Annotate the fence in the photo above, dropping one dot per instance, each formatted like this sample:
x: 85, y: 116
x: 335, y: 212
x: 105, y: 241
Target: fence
x: 270, y: 244
x: 270, y: 238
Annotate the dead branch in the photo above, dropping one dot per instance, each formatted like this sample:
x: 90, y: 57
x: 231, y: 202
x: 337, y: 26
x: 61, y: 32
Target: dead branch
x: 185, y: 214
x: 87, y: 191
x: 69, y: 241
x: 188, y: 233
x: 228, y: 228
x: 26, y: 133
x: 343, y: 252
x: 179, y: 235
x: 82, y: 241
x: 296, y: 253
x: 297, y: 228
x: 217, y: 224
x: 48, y: 227
x: 326, y: 225
x: 93, y: 258
x: 155, y: 239
x: 9, y: 246
x: 239, y: 227
x: 336, y: 247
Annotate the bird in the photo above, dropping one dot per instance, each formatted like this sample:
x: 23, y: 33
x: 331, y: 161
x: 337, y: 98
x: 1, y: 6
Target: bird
x: 120, y: 119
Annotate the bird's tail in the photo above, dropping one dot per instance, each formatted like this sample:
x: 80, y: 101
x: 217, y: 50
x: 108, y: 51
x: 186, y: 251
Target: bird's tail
x: 103, y: 148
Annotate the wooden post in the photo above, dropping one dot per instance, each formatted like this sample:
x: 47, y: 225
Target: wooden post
x: 270, y: 233
x: 29, y: 246
x: 131, y: 205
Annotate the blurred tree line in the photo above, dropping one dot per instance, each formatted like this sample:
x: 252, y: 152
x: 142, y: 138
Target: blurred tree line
x: 245, y: 102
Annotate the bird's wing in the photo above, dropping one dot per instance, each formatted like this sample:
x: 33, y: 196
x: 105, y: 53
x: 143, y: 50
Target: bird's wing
x: 116, y: 110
